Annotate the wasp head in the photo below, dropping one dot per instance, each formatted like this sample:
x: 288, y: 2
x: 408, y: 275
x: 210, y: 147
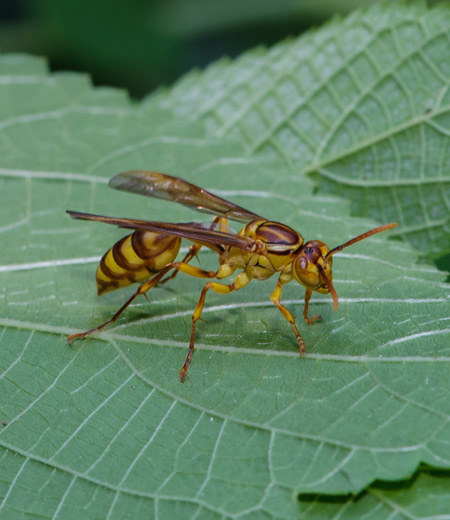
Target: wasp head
x: 313, y: 263
x: 313, y: 268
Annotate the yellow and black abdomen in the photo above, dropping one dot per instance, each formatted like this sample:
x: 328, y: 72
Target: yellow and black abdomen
x: 135, y: 258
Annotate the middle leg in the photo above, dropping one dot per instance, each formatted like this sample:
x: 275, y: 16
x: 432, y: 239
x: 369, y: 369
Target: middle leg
x: 222, y: 222
x: 240, y: 281
x: 192, y: 253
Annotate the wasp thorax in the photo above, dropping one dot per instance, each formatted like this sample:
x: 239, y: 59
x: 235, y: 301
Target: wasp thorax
x: 274, y: 234
x: 309, y: 265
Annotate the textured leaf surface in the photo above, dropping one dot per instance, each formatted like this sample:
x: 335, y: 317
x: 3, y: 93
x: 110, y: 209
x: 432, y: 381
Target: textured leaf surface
x: 362, y: 105
x: 106, y: 425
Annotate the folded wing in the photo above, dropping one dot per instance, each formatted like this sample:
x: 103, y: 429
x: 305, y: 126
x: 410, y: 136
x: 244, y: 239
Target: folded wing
x: 166, y: 187
x: 201, y: 233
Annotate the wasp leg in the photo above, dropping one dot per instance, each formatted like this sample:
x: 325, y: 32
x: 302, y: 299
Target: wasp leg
x: 223, y: 224
x: 240, y: 281
x: 192, y: 253
x: 143, y: 289
x: 311, y: 320
x: 276, y: 297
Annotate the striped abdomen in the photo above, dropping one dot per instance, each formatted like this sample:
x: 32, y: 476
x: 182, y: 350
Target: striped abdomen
x: 135, y: 258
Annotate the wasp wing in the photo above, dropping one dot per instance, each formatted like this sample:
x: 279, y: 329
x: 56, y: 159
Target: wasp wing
x: 166, y: 187
x: 191, y: 230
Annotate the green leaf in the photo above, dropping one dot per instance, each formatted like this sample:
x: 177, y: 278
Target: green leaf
x: 105, y: 428
x: 425, y: 496
x: 362, y: 105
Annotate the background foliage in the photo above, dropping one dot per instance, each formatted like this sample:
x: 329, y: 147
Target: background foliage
x: 141, y: 45
x: 255, y: 432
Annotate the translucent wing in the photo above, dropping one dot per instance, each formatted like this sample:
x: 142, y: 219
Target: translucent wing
x: 200, y: 233
x: 166, y: 187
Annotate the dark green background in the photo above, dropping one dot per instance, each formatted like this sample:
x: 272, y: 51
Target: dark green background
x: 143, y: 44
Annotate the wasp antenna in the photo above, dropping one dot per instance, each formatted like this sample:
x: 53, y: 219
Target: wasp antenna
x: 330, y: 287
x: 361, y: 237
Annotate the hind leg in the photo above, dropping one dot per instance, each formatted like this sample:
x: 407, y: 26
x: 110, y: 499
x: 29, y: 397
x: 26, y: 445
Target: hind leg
x: 143, y: 289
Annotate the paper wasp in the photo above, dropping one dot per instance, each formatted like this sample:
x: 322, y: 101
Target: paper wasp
x: 261, y: 249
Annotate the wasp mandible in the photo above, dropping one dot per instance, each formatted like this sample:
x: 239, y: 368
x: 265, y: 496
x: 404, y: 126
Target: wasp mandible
x: 260, y: 249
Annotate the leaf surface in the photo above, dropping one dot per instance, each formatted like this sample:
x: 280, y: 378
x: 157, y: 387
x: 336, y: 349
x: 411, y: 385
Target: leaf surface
x: 106, y: 423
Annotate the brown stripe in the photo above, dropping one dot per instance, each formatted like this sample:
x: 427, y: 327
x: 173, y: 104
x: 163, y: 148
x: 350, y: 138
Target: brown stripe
x: 161, y: 242
x: 161, y: 238
x: 131, y: 277
x: 120, y: 258
x: 103, y: 287
x: 150, y: 266
x: 107, y: 271
x: 277, y: 234
x: 138, y: 245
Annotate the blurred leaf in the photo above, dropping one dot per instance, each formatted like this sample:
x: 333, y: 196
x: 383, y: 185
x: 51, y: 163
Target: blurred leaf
x: 361, y: 105
x: 141, y: 45
x: 197, y: 17
x: 105, y: 427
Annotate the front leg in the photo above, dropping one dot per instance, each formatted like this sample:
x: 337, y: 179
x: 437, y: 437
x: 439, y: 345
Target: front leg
x: 276, y: 297
x: 311, y: 320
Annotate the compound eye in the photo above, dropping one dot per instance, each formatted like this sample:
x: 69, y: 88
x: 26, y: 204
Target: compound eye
x: 305, y: 271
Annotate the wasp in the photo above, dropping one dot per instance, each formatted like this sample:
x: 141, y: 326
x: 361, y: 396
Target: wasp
x: 260, y: 249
